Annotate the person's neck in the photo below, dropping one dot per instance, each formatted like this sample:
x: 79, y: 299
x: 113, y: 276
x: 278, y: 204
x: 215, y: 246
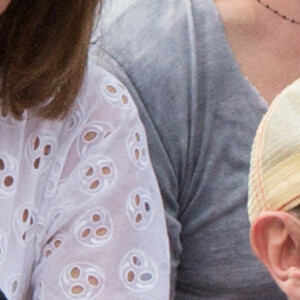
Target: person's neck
x: 290, y: 8
x: 257, y: 12
x: 265, y: 46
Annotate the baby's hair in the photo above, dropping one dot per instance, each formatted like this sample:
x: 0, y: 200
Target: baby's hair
x: 295, y: 211
x: 2, y: 296
x: 43, y: 53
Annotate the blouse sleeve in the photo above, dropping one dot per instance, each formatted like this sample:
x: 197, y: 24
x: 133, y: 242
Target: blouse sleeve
x: 106, y: 235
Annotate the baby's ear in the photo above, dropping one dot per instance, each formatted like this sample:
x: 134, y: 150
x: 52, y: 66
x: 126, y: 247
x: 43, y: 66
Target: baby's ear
x: 275, y: 240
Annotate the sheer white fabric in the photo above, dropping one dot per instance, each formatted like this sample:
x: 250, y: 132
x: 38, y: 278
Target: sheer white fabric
x: 81, y: 212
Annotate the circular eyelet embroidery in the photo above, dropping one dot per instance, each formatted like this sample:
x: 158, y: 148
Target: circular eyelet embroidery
x: 94, y: 228
x: 59, y: 211
x: 81, y: 281
x: 25, y: 223
x: 140, y: 209
x: 41, y: 148
x: 13, y: 287
x: 92, y: 135
x: 53, y: 244
x: 74, y: 120
x: 53, y: 179
x: 96, y: 174
x: 116, y: 94
x: 137, y: 148
x: 137, y: 271
x: 8, y: 175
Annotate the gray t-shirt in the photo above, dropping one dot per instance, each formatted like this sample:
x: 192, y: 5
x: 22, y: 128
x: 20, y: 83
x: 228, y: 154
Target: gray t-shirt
x: 200, y: 114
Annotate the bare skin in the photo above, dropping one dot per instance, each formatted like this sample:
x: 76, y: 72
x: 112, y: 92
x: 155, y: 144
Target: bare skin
x: 266, y: 47
x: 3, y: 5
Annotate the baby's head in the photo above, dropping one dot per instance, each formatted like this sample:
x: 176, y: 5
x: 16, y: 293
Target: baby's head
x: 2, y: 296
x: 274, y: 191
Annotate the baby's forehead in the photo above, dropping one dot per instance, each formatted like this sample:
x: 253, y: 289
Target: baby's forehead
x: 274, y: 180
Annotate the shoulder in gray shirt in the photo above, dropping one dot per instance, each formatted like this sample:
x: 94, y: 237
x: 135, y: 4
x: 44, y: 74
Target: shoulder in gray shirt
x: 200, y: 114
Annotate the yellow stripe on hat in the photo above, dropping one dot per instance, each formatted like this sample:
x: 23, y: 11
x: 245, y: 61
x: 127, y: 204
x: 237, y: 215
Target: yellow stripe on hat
x: 274, y: 179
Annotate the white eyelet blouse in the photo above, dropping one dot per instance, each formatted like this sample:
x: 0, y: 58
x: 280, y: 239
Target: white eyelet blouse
x: 81, y: 214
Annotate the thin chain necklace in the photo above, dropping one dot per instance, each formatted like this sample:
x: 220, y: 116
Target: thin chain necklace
x: 276, y: 12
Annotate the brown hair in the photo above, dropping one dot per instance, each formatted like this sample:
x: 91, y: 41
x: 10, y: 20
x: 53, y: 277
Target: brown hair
x: 43, y: 53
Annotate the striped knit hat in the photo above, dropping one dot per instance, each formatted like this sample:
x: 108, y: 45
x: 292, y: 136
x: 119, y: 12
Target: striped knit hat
x: 274, y: 180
